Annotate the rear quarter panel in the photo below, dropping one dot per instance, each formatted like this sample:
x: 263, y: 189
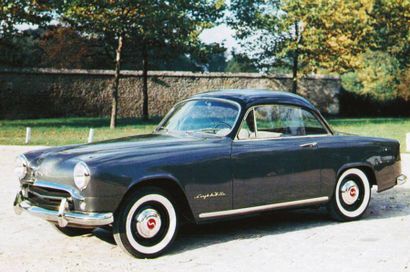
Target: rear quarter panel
x: 340, y: 152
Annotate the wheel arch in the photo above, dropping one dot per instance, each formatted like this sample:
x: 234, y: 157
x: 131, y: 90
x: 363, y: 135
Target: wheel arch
x: 168, y: 184
x: 366, y: 168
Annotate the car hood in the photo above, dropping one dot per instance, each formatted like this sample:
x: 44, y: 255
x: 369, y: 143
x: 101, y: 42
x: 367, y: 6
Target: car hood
x: 57, y: 163
x: 133, y: 145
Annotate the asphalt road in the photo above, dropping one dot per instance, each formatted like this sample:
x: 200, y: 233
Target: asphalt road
x: 300, y: 240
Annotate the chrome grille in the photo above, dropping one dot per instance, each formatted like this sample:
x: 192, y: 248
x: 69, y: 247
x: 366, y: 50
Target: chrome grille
x: 48, y: 198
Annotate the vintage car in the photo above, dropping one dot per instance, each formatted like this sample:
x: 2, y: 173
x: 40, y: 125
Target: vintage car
x: 217, y: 155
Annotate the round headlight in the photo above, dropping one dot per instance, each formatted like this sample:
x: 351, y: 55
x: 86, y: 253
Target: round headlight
x: 21, y: 167
x: 81, y: 175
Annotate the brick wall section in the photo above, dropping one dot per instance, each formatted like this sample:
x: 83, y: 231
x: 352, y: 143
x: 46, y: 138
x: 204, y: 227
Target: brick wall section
x: 31, y: 93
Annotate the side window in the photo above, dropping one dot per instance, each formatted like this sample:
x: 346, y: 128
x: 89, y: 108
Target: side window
x: 274, y: 121
x: 312, y: 125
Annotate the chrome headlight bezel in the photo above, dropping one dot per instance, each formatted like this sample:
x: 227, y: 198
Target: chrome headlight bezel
x: 21, y: 169
x: 81, y: 175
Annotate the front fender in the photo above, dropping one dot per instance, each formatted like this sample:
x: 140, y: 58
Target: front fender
x: 152, y: 177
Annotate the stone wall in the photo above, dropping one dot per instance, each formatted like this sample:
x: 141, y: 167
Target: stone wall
x: 32, y: 93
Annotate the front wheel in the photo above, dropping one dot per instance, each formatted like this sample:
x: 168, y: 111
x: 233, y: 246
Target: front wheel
x: 351, y: 196
x: 146, y: 223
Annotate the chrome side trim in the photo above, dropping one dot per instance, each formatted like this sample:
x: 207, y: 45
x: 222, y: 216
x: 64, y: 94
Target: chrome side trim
x: 309, y: 145
x: 283, y: 138
x: 265, y: 207
x: 71, y: 190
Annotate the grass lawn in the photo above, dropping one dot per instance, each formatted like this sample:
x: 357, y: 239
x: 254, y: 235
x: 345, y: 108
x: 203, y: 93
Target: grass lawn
x: 60, y: 131
x: 394, y: 128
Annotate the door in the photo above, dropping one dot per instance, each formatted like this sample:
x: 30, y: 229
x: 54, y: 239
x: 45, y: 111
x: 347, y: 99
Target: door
x: 276, y: 157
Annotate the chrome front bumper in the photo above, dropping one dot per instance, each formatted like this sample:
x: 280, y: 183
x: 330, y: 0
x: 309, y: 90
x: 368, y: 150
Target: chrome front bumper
x: 63, y: 216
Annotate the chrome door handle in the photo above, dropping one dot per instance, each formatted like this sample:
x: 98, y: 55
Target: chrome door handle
x: 309, y: 145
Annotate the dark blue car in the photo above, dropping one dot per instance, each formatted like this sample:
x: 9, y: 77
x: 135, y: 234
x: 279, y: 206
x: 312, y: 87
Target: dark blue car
x: 217, y: 155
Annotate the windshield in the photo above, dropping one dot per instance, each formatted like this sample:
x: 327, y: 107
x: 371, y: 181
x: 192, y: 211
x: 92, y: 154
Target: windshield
x: 207, y: 116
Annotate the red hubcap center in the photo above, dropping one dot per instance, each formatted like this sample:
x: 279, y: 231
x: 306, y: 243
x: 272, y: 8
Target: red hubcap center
x: 352, y: 192
x: 151, y: 223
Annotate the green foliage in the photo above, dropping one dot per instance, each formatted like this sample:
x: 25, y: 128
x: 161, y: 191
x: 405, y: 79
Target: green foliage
x: 390, y: 21
x: 20, y: 50
x: 63, y: 47
x: 318, y: 34
x: 340, y: 36
x: 377, y: 77
x: 13, y: 12
x: 351, y: 82
x: 256, y: 25
x: 56, y: 47
x: 147, y: 25
x: 403, y: 89
x: 298, y: 36
x: 240, y: 63
x: 175, y: 25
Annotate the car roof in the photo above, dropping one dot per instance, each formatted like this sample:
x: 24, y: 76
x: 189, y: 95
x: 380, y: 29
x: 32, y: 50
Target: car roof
x: 250, y: 97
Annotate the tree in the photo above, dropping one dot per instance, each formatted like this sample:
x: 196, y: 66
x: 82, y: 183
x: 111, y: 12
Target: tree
x: 403, y: 89
x: 15, y: 12
x: 146, y: 25
x: 216, y: 62
x: 377, y: 77
x: 173, y: 25
x: 390, y: 21
x: 21, y: 50
x: 110, y: 19
x: 63, y: 47
x: 240, y: 63
x: 12, y: 14
x: 306, y: 35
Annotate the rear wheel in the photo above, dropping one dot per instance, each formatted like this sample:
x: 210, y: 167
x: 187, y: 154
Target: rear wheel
x: 146, y: 223
x: 351, y: 196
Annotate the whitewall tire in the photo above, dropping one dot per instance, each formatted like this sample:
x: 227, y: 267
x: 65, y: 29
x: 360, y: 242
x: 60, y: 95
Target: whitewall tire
x: 351, y: 197
x: 146, y: 223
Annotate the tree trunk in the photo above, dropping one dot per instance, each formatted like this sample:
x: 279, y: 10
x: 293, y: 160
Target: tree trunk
x: 295, y: 72
x: 295, y: 65
x: 114, y: 105
x: 145, y: 115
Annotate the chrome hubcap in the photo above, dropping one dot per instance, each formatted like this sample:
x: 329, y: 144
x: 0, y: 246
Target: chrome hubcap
x: 148, y: 223
x: 350, y: 192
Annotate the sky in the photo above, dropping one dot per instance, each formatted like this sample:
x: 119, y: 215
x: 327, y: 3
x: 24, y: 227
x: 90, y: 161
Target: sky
x: 220, y: 34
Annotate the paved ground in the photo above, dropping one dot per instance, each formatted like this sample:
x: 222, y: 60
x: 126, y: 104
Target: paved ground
x: 282, y: 241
